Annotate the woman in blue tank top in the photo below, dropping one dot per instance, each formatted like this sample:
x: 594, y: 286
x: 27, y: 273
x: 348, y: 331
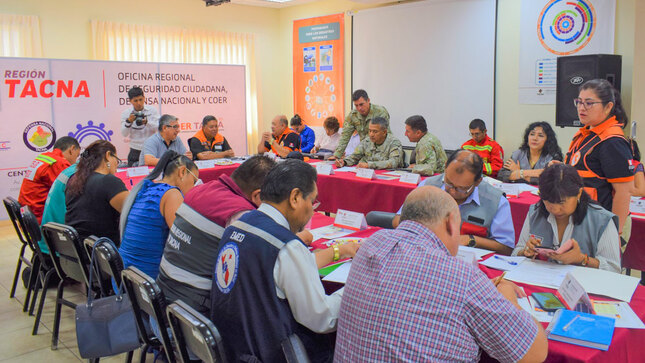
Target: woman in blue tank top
x: 149, y: 212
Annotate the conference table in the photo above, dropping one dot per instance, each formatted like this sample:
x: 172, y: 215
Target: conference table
x: 344, y: 190
x: 625, y: 342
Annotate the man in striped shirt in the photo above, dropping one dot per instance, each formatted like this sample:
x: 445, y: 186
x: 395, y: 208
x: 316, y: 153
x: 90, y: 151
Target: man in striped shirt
x: 407, y: 297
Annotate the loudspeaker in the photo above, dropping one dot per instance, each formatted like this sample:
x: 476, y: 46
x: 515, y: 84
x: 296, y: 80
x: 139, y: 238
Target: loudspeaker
x: 575, y: 70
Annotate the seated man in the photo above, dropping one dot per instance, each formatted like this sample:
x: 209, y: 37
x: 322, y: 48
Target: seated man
x: 189, y: 256
x: 281, y: 140
x: 381, y: 150
x: 55, y: 207
x: 208, y: 143
x: 488, y: 149
x: 485, y: 212
x: 307, y: 135
x: 166, y: 139
x: 266, y: 285
x: 408, y: 299
x: 44, y: 170
x: 429, y: 157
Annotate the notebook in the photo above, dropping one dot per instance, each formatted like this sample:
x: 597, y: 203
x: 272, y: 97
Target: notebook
x: 593, y: 331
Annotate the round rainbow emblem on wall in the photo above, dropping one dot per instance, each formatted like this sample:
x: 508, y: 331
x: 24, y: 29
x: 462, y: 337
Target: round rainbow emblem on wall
x: 564, y: 27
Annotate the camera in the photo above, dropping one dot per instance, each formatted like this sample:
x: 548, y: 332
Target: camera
x: 139, y: 117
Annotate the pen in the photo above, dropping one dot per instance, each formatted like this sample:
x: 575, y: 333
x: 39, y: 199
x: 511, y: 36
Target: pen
x: 505, y: 260
x: 500, y: 278
x: 568, y: 325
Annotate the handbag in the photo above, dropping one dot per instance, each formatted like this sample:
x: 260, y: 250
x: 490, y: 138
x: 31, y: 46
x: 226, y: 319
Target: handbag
x: 105, y: 326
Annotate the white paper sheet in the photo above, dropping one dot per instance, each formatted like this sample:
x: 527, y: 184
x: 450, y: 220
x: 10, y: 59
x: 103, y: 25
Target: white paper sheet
x: 385, y: 177
x: 340, y: 274
x: 540, y: 273
x: 504, y: 263
x: 477, y: 251
x: 330, y: 232
x: 606, y: 283
x: 351, y: 169
x: 397, y: 173
x: 621, y: 311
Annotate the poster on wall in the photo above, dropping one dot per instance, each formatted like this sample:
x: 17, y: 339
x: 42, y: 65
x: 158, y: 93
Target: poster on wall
x: 318, y: 74
x: 44, y: 99
x: 554, y: 28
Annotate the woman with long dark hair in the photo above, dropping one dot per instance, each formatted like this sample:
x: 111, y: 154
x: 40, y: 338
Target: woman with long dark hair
x: 599, y: 150
x: 539, y: 147
x: 566, y: 213
x: 149, y: 212
x: 94, y: 196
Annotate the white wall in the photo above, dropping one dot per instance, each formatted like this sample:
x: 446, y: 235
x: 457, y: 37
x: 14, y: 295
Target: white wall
x: 66, y: 34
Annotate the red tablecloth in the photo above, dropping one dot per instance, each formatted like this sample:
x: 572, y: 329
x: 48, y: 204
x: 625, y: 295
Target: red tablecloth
x: 205, y: 175
x: 624, y: 345
x: 634, y: 255
x: 520, y: 208
x: 344, y: 190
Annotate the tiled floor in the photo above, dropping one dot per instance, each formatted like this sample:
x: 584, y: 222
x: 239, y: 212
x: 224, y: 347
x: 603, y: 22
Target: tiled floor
x: 16, y: 342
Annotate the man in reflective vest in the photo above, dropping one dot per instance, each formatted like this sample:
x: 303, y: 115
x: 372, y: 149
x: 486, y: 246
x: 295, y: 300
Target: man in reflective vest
x: 486, y: 220
x: 281, y: 140
x: 208, y: 143
x: 44, y: 170
x: 488, y: 149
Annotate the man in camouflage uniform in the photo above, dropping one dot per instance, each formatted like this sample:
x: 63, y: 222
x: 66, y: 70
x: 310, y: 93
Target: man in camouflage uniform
x: 429, y: 158
x: 358, y: 119
x: 380, y: 151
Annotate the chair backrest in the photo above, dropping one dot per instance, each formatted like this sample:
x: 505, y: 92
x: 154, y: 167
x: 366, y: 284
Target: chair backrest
x: 294, y: 351
x: 13, y: 210
x: 146, y: 297
x: 380, y: 219
x: 68, y: 256
x: 192, y: 330
x: 108, y: 262
x: 31, y: 229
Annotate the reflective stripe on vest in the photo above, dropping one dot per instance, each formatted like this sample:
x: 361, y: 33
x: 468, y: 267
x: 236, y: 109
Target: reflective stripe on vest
x: 46, y: 159
x: 183, y: 276
x: 488, y: 148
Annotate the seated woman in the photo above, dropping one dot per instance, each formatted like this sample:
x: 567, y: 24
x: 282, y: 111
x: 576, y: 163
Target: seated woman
x: 151, y: 212
x: 566, y: 212
x: 94, y: 196
x: 538, y: 148
x: 328, y: 142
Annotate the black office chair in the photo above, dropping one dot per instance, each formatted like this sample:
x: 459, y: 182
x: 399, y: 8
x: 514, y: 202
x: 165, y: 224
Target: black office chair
x: 294, y: 351
x: 109, y: 264
x: 148, y: 301
x: 195, y: 332
x: 380, y: 219
x: 42, y: 269
x: 71, y: 264
x: 13, y: 210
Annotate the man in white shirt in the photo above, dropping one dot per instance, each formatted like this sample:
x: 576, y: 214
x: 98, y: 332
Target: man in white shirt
x: 138, y: 123
x: 266, y: 285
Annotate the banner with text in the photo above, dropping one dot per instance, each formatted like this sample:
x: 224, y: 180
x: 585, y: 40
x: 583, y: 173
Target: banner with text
x: 553, y: 28
x: 318, y: 74
x: 44, y: 99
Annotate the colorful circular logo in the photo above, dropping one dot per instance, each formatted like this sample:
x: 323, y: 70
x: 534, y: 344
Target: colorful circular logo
x: 92, y: 132
x: 226, y: 267
x: 39, y: 136
x: 565, y: 27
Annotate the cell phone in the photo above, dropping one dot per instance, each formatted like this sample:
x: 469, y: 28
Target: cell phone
x: 545, y: 251
x: 548, y: 301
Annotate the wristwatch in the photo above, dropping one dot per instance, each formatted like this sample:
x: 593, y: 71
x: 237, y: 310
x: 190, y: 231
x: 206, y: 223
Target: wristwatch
x: 471, y: 241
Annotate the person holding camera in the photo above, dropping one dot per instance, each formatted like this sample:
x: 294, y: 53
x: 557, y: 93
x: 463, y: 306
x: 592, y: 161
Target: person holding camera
x: 138, y: 123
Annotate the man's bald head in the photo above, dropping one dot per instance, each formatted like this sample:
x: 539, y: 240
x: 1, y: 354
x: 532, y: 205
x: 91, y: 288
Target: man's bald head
x: 427, y: 205
x: 436, y: 210
x: 466, y: 160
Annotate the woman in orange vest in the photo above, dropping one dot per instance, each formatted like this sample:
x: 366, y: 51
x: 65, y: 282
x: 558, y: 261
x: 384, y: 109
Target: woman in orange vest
x: 599, y: 151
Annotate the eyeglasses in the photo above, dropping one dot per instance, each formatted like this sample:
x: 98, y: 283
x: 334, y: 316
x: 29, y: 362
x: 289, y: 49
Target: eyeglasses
x: 119, y: 161
x: 457, y: 189
x: 174, y: 126
x: 585, y: 104
x: 197, y: 180
x: 476, y: 134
